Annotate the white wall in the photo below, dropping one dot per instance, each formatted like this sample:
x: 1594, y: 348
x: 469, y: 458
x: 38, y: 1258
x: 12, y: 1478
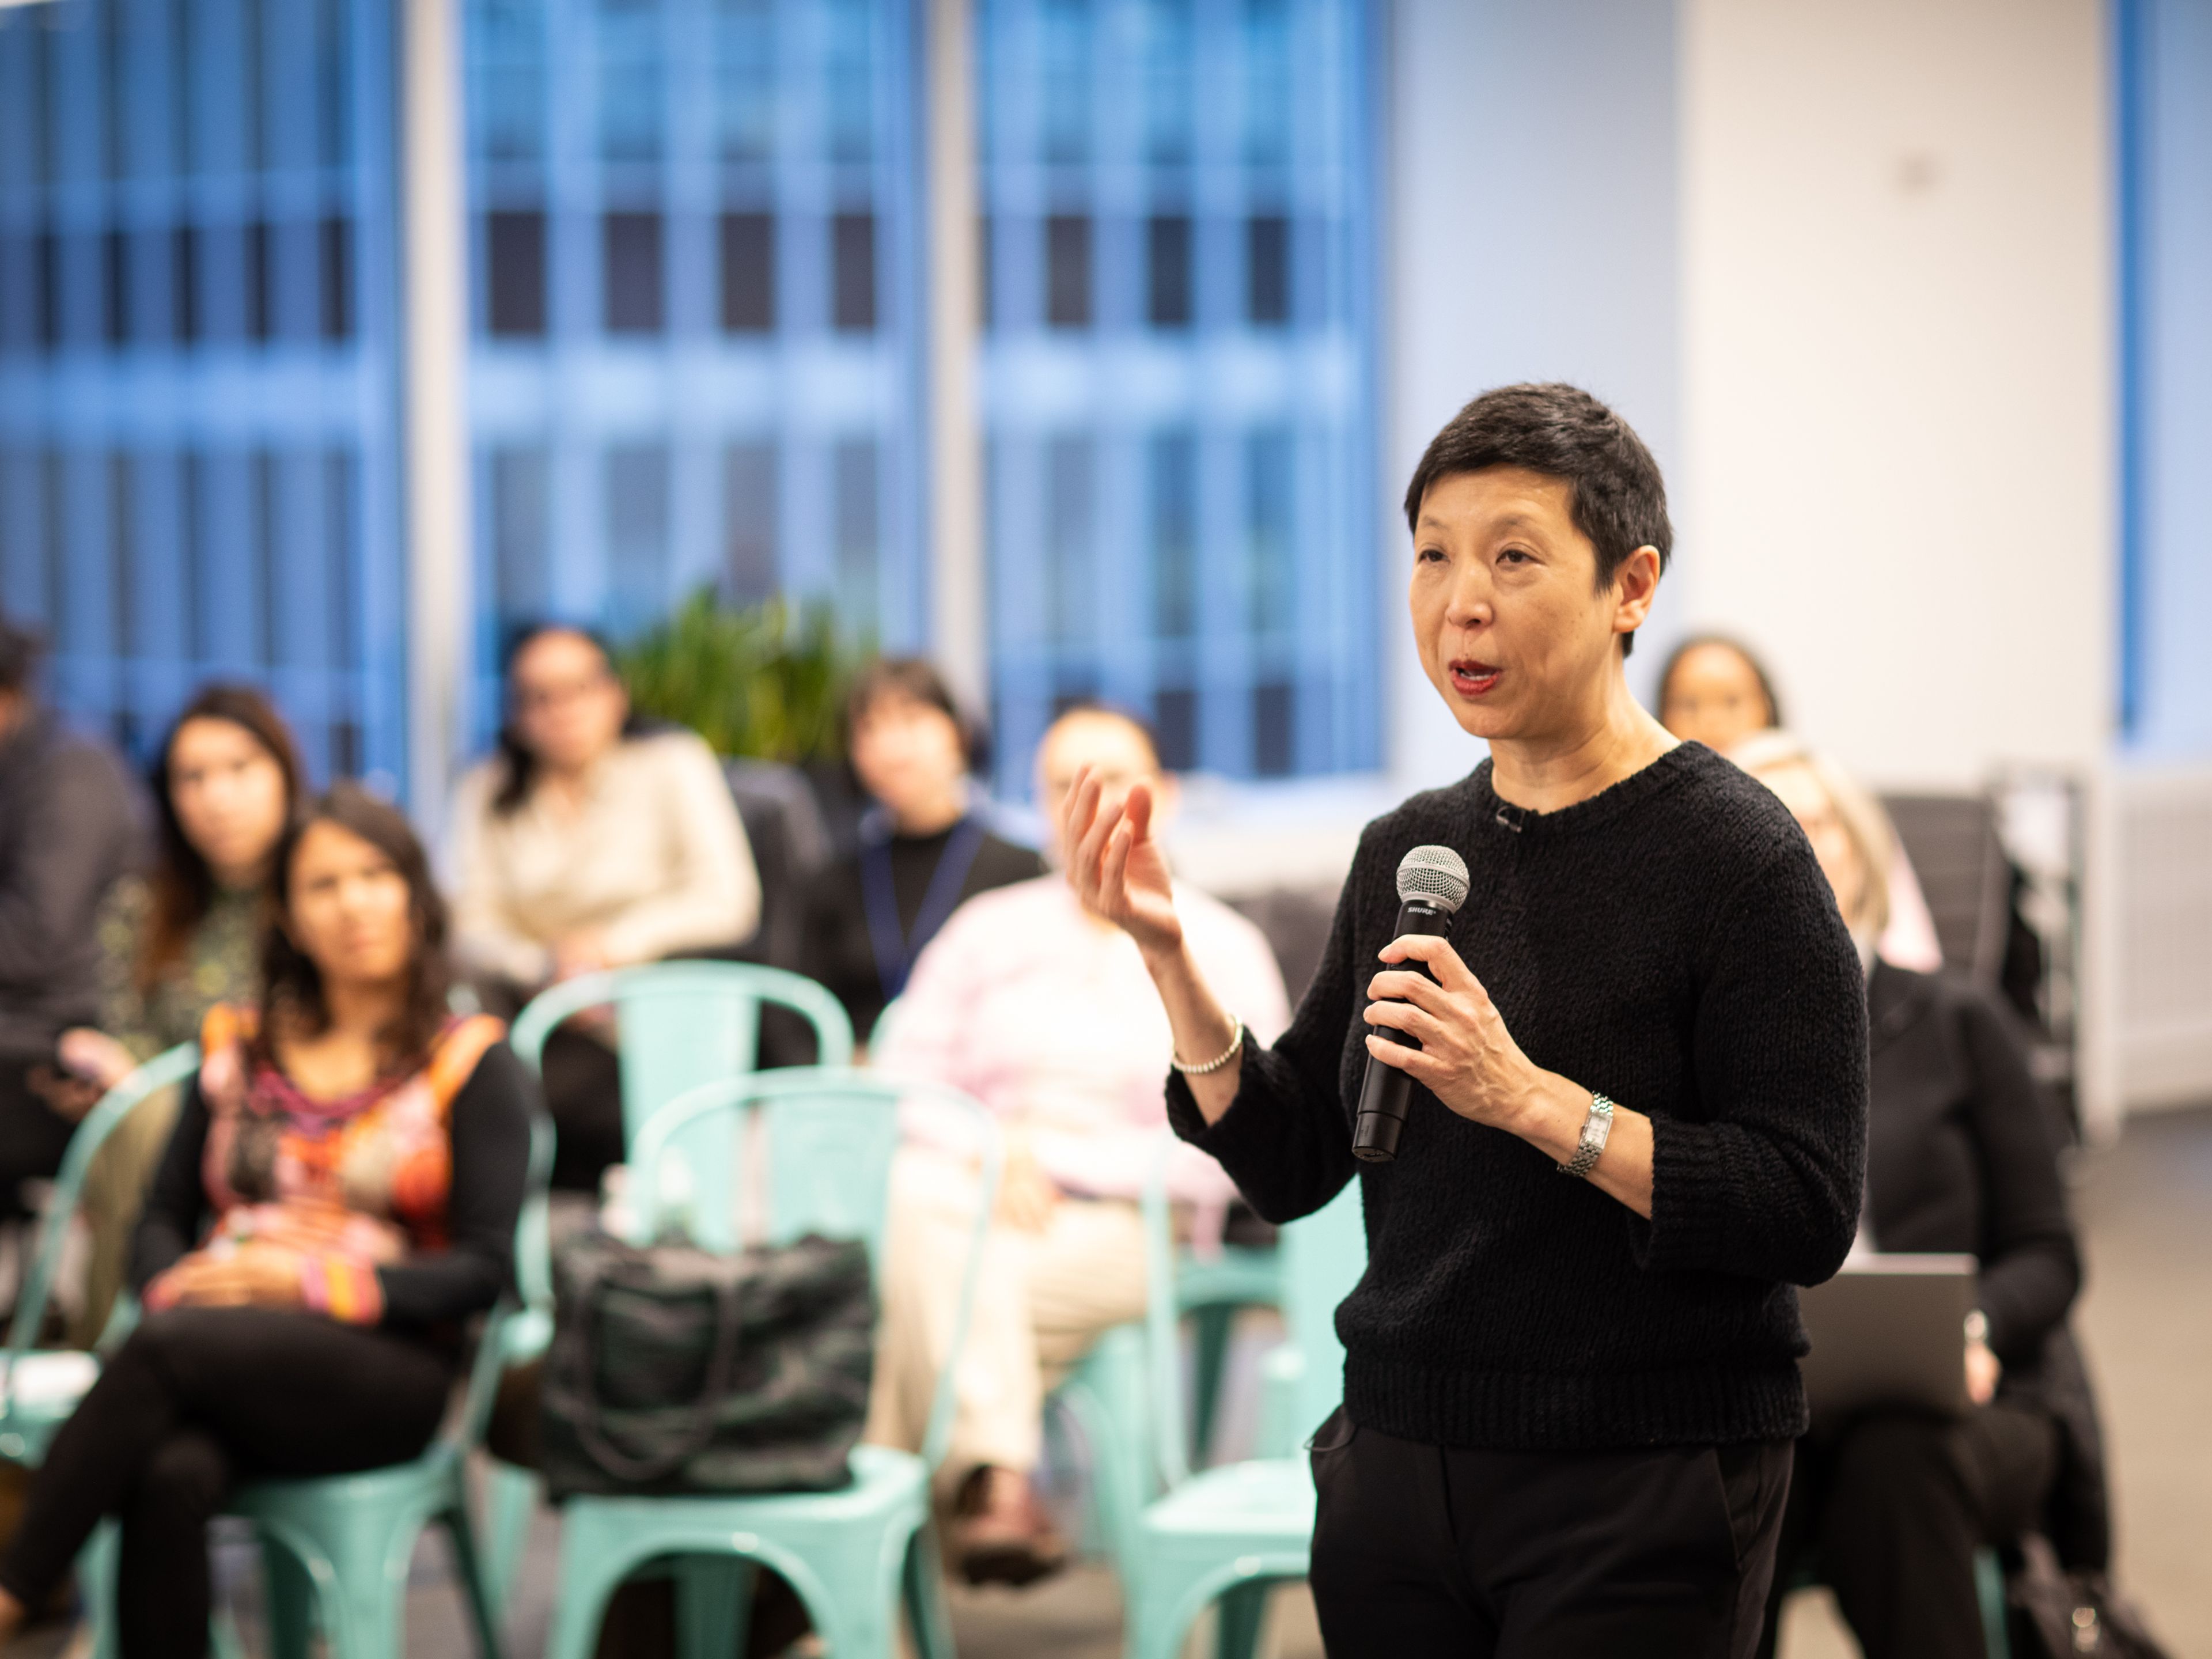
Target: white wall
x: 1897, y: 450
x: 1531, y: 236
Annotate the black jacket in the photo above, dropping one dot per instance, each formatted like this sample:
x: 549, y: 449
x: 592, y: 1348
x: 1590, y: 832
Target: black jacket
x: 1962, y: 1156
x: 68, y: 831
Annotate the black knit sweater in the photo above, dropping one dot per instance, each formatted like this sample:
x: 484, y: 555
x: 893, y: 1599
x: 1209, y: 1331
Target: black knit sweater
x: 1671, y: 943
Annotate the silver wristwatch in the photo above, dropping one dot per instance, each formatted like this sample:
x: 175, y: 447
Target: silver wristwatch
x: 1595, y: 1128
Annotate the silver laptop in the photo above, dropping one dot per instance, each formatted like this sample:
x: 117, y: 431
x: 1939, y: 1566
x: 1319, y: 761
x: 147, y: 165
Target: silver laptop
x: 1889, y: 1330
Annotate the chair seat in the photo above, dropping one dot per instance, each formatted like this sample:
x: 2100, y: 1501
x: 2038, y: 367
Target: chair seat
x: 885, y: 1482
x: 1269, y: 1501
x: 393, y: 1483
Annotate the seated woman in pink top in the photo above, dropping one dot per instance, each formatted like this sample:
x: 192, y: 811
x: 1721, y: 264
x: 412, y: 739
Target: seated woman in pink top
x: 1045, y: 1014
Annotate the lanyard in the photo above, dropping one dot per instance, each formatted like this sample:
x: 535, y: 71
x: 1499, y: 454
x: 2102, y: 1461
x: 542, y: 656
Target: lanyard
x: 895, y: 951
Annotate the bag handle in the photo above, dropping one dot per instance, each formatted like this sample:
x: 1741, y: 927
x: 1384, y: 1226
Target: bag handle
x: 720, y: 1364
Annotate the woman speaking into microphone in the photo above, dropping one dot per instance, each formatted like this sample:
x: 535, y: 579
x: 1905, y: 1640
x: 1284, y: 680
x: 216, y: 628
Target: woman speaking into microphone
x: 1636, y: 1114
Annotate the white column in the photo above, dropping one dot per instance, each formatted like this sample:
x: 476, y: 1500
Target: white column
x: 434, y: 312
x: 959, y: 638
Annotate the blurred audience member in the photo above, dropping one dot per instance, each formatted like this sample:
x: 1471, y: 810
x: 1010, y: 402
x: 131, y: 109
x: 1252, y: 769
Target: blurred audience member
x: 69, y: 832
x: 1714, y: 691
x: 923, y: 850
x: 1960, y: 1157
x: 590, y: 841
x: 339, y: 1195
x: 179, y: 939
x: 1045, y: 1014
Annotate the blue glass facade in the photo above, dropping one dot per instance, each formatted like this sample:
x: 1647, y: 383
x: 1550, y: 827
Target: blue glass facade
x: 696, y: 228
x: 1178, y: 368
x: 696, y: 266
x: 197, y: 430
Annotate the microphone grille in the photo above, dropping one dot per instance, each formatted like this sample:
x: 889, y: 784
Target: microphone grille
x: 1434, y: 873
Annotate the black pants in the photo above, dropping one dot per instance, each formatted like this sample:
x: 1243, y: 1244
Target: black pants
x: 583, y: 1096
x: 1425, y: 1550
x: 1891, y: 1511
x: 195, y: 1399
x: 32, y: 1134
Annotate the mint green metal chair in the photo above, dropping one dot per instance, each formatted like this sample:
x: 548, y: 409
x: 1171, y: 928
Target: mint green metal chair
x: 826, y: 1138
x: 1227, y: 1534
x: 336, y: 1549
x: 30, y: 1415
x: 679, y: 1024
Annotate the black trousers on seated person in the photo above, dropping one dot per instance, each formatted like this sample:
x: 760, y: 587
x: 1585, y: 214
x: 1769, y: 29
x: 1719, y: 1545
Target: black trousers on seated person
x: 32, y: 1134
x: 198, y: 1398
x: 1891, y: 1511
x: 1662, y: 1552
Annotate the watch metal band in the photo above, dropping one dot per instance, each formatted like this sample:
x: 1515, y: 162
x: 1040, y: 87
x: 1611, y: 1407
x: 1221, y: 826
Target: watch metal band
x: 1595, y: 1128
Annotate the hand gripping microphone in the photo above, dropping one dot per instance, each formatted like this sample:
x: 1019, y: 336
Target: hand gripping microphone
x: 1432, y: 886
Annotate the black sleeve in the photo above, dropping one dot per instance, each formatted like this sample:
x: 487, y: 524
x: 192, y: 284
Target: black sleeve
x: 491, y: 1130
x: 51, y: 891
x: 1285, y: 1140
x: 2031, y: 1268
x: 176, y: 1210
x: 1765, y: 1182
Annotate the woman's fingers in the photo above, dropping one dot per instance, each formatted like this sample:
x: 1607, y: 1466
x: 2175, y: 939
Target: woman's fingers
x: 1401, y: 987
x: 1437, y: 955
x: 1416, y: 1023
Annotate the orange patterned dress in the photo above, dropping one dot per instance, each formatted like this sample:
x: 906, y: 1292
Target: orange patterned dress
x: 346, y: 1186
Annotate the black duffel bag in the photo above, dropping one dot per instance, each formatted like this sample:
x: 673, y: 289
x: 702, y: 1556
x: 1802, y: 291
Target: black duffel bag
x: 676, y: 1371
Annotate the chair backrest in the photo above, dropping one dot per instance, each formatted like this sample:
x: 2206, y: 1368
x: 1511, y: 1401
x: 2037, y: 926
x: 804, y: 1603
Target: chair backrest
x: 529, y: 1235
x: 101, y: 1121
x: 1322, y: 1256
x: 826, y: 1136
x: 680, y: 1024
x: 1964, y: 875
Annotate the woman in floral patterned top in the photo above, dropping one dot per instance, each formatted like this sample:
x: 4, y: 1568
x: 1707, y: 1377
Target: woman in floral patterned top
x: 178, y: 941
x: 339, y: 1196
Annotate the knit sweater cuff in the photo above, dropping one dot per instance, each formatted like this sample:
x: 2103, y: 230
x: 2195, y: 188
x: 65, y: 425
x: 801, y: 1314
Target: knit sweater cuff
x: 1690, y: 1171
x: 1230, y: 1133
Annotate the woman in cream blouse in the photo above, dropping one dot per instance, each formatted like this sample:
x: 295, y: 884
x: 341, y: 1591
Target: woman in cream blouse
x: 588, y: 842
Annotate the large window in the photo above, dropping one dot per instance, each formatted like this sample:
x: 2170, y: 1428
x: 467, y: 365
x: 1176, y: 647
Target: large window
x: 696, y: 291
x: 695, y: 239
x: 1176, y: 199
x: 196, y: 362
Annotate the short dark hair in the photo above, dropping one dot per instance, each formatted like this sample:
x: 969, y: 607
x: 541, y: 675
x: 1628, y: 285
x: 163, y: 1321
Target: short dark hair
x: 519, y: 763
x: 291, y: 983
x: 1615, y: 491
x: 917, y: 680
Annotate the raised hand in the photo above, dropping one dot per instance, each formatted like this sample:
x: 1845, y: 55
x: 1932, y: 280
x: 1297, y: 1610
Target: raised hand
x: 1115, y: 866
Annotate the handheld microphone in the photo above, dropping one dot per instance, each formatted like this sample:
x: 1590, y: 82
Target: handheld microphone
x: 1432, y: 885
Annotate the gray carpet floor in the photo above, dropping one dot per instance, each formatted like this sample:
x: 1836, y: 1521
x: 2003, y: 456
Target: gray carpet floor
x: 2145, y: 1209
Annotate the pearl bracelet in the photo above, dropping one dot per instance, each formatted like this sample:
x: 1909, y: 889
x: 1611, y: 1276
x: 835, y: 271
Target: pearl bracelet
x: 1236, y: 1042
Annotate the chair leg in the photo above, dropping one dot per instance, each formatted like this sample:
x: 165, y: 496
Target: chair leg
x: 96, y: 1564
x: 591, y: 1568
x: 1990, y: 1589
x: 714, y: 1604
x: 1214, y: 1325
x: 924, y: 1587
x: 290, y: 1592
x: 1241, y: 1611
x: 485, y: 1610
x: 512, y: 1497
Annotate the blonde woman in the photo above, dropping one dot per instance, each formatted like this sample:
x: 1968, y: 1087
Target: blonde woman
x: 1960, y: 1157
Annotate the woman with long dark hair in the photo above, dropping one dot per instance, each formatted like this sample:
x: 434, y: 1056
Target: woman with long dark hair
x: 590, y: 841
x: 340, y: 1194
x: 179, y: 939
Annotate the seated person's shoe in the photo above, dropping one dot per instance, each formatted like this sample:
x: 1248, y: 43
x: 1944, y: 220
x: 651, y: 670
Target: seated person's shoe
x: 1000, y: 1533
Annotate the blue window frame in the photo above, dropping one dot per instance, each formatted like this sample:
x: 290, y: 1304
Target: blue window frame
x: 697, y: 234
x: 1178, y: 374
x: 197, y: 441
